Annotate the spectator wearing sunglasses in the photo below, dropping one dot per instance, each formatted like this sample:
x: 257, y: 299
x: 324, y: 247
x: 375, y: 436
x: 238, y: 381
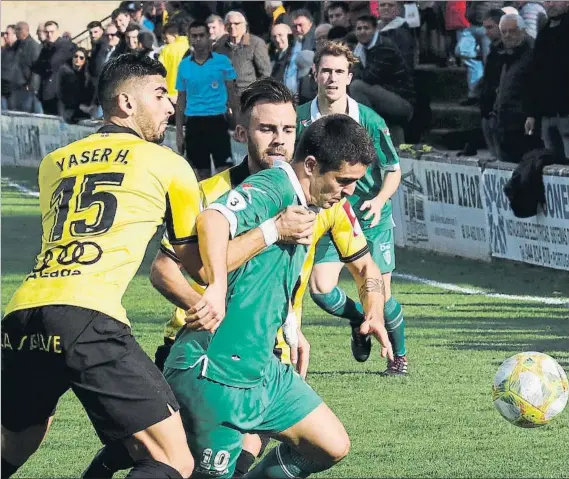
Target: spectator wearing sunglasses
x: 114, y: 46
x: 75, y: 88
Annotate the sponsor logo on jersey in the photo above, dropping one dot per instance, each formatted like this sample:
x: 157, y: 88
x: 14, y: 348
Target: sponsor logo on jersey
x: 305, y: 122
x: 356, y: 228
x: 386, y: 131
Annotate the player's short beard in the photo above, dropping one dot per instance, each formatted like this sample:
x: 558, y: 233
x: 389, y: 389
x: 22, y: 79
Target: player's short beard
x: 149, y: 129
x: 262, y: 159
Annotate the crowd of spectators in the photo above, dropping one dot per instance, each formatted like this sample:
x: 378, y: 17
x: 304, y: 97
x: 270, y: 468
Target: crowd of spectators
x: 514, y: 54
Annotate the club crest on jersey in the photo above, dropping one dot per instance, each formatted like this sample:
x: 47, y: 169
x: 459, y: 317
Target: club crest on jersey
x: 356, y: 228
x: 305, y: 122
x: 386, y: 131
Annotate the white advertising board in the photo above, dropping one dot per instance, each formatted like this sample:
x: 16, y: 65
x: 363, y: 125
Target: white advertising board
x: 439, y: 207
x: 543, y: 239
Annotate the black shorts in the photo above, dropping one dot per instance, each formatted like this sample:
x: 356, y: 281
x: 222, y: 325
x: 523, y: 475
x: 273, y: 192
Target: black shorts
x: 49, y: 349
x: 205, y: 136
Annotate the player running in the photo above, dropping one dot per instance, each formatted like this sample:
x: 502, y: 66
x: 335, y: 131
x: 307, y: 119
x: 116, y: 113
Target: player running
x: 371, y: 202
x: 230, y: 382
x: 102, y: 199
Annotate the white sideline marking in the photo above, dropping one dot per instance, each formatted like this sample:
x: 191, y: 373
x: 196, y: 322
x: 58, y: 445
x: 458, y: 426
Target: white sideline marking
x: 22, y: 189
x: 460, y: 289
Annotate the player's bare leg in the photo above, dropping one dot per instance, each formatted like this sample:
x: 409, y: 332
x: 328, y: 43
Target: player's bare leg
x: 314, y: 444
x: 166, y: 444
x: 325, y: 293
x: 17, y: 447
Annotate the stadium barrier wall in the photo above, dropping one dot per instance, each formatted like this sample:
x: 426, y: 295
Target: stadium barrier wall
x: 458, y: 206
x: 448, y: 205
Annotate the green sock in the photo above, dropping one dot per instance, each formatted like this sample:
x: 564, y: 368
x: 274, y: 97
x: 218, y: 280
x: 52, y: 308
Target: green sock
x: 283, y: 462
x: 337, y: 303
x: 395, y: 325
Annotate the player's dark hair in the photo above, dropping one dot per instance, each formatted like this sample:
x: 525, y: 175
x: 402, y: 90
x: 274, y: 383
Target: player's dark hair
x: 495, y: 14
x: 302, y: 12
x: 267, y: 90
x: 343, y: 5
x: 171, y: 28
x: 51, y: 22
x: 368, y: 19
x: 197, y: 24
x: 333, y: 140
x: 120, y: 70
x: 94, y: 24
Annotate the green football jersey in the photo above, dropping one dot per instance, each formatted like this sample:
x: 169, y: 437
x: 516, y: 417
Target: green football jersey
x: 369, y: 186
x: 259, y: 292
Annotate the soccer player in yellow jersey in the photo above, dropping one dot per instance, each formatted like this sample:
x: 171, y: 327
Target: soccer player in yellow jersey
x: 102, y: 199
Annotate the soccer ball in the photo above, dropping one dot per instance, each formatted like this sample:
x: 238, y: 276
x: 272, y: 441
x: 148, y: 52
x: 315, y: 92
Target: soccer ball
x: 530, y: 389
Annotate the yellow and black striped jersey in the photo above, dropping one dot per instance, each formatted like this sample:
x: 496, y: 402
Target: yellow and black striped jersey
x: 102, y: 199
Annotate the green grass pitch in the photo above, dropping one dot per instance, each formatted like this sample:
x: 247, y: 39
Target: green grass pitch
x: 438, y: 422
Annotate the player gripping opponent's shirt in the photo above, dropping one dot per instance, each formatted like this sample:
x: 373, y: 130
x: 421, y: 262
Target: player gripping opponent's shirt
x: 340, y: 221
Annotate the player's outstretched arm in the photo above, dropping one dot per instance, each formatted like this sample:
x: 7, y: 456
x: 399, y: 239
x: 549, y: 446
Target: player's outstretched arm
x: 167, y: 277
x: 372, y: 295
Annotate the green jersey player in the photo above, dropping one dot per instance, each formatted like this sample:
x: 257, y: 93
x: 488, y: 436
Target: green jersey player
x: 370, y: 201
x: 227, y: 379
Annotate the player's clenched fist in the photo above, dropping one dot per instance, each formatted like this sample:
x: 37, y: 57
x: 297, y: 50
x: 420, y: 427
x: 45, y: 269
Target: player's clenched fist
x: 208, y: 312
x: 295, y: 225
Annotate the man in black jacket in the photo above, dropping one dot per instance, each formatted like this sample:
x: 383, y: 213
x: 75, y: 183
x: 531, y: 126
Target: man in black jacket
x: 511, y: 96
x: 385, y: 83
x: 393, y: 26
x: 8, y: 55
x: 491, y: 78
x: 55, y: 52
x: 98, y: 43
x: 549, y: 94
x: 25, y: 84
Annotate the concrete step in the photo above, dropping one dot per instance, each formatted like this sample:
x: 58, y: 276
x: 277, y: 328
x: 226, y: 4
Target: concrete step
x: 442, y: 83
x: 453, y: 116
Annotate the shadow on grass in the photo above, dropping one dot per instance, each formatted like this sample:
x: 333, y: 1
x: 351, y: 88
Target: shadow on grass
x: 542, y: 334
x: 500, y: 276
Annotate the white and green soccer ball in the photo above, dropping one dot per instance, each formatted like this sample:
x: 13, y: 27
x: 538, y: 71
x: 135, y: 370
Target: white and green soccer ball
x: 530, y: 389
